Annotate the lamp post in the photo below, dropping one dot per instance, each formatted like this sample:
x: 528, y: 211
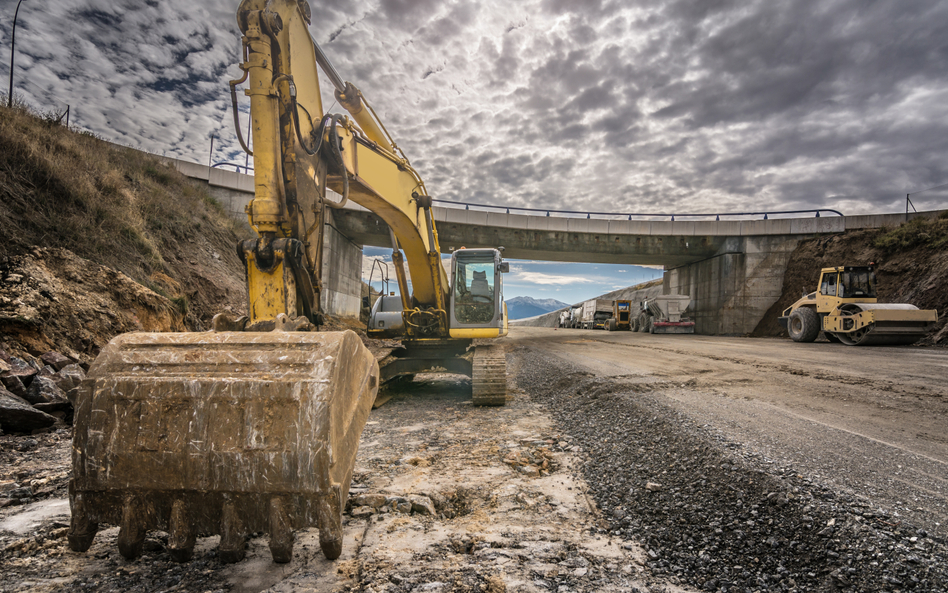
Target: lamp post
x: 13, y: 53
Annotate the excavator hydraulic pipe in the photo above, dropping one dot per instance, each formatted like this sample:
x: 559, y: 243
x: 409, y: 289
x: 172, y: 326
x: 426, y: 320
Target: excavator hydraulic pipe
x: 266, y: 209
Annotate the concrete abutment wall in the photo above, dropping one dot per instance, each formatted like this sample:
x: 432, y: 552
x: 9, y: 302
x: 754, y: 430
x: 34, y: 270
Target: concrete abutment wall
x: 732, y: 291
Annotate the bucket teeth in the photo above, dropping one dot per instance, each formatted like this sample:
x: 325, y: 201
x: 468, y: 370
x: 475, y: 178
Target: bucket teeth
x: 233, y: 544
x: 330, y: 525
x: 131, y: 539
x: 281, y: 532
x: 82, y: 529
x: 181, y: 535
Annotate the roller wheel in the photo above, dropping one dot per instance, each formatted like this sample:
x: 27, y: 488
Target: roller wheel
x: 804, y: 325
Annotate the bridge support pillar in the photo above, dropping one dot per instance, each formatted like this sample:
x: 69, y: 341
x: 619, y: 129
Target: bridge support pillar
x: 342, y: 272
x: 731, y: 291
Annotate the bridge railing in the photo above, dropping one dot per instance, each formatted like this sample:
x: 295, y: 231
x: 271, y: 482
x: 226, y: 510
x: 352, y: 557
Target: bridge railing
x: 816, y: 212
x: 766, y: 214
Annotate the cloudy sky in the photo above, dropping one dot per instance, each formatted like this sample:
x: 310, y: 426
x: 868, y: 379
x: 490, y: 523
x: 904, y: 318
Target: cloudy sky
x: 615, y: 106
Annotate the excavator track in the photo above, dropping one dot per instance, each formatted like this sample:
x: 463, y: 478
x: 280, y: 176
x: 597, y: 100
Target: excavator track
x: 489, y: 376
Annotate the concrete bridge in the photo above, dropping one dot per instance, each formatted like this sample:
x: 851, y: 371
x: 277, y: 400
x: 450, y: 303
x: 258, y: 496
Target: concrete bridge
x: 732, y: 269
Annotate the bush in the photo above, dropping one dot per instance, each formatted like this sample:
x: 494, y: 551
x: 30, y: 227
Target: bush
x: 918, y: 232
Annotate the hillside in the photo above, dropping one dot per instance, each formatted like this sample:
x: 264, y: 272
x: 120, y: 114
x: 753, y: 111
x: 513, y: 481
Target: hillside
x: 100, y: 239
x: 523, y: 307
x: 912, y: 267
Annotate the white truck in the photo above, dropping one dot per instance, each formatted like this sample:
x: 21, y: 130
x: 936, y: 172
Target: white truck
x: 596, y: 312
x: 664, y: 315
x: 575, y: 316
x: 563, y: 320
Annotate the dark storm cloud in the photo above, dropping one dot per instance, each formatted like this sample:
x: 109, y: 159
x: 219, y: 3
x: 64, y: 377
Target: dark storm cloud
x: 605, y: 104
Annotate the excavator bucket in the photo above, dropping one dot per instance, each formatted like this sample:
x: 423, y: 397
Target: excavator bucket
x: 224, y: 433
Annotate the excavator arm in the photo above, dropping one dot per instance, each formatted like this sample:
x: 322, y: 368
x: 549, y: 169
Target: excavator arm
x: 255, y: 426
x: 300, y: 152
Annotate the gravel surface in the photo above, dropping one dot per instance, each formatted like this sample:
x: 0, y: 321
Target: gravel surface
x: 579, y: 484
x: 713, y: 517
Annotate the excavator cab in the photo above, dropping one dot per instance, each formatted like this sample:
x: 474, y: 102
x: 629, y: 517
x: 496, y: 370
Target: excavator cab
x: 476, y: 302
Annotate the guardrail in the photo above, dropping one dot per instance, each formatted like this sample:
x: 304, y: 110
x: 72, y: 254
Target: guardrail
x: 548, y: 211
x: 716, y: 215
x: 237, y: 166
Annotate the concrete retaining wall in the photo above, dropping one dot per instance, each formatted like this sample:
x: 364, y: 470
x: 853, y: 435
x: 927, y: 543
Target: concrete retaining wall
x: 342, y: 272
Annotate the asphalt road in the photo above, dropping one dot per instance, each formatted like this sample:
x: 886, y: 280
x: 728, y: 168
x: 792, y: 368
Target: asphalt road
x: 872, y: 421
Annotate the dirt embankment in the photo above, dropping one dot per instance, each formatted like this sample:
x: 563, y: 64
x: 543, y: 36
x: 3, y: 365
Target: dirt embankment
x: 99, y: 240
x: 911, y: 267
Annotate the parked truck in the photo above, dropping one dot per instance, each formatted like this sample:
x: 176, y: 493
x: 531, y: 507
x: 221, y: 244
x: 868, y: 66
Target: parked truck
x: 564, y: 318
x: 621, y: 316
x: 595, y: 313
x: 664, y: 315
x: 575, y: 316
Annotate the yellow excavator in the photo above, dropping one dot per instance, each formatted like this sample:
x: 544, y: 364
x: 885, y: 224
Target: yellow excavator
x: 254, y: 426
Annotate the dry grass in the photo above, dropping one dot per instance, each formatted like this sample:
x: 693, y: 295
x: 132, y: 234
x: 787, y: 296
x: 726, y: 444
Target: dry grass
x: 918, y: 232
x: 117, y: 207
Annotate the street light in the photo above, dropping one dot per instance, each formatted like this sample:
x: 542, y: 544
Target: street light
x: 12, y: 53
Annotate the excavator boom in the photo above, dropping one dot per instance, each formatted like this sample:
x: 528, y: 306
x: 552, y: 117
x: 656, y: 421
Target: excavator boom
x: 255, y: 425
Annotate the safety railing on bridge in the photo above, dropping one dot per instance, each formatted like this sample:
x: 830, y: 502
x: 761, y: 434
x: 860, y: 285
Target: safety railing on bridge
x: 817, y: 212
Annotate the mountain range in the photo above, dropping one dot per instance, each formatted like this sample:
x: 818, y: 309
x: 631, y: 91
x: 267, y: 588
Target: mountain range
x: 523, y: 307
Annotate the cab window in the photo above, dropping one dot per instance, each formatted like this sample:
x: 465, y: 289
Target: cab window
x: 828, y: 287
x: 474, y: 290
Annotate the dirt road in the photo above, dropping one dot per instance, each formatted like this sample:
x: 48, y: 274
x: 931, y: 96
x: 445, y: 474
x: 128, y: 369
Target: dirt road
x: 868, y: 420
x: 622, y: 462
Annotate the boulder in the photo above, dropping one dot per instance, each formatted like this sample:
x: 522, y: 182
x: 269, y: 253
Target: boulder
x: 16, y: 415
x: 14, y: 385
x: 56, y: 360
x: 18, y: 377
x: 69, y: 377
x: 43, y: 390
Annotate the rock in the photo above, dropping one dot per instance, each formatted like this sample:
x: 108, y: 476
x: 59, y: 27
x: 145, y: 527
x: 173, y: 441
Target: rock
x: 43, y: 390
x: 422, y: 505
x: 24, y: 445
x: 402, y: 505
x: 56, y: 360
x: 362, y: 512
x: 16, y: 415
x: 69, y: 377
x: 373, y: 501
x: 531, y: 471
x: 18, y: 376
x: 14, y: 385
x: 653, y: 486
